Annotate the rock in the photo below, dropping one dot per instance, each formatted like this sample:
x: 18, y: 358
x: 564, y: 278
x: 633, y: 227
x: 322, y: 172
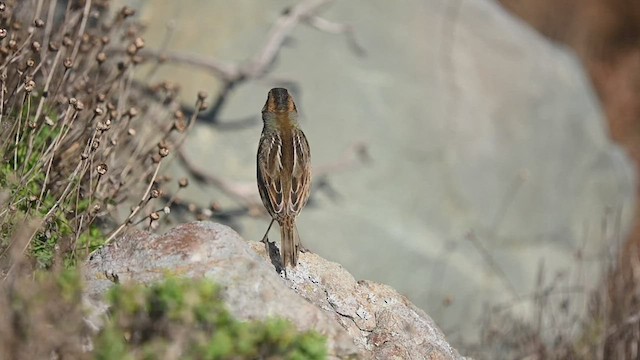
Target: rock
x: 360, y: 318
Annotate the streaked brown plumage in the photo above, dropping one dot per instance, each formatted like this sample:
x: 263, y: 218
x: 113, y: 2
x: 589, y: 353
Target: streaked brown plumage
x: 284, y: 169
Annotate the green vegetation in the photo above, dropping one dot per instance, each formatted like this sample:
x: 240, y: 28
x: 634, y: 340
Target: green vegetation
x: 174, y: 319
x: 190, y: 315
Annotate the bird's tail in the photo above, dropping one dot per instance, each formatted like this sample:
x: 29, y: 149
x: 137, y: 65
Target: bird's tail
x: 290, y: 242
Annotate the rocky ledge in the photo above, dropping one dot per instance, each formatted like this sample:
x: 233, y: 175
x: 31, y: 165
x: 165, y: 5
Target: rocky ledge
x: 361, y: 319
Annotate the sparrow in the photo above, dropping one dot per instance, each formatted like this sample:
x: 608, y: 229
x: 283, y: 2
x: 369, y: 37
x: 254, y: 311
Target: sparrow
x: 284, y: 170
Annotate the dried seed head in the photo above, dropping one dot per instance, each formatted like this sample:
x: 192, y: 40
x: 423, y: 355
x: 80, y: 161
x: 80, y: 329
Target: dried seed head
x: 3, y: 6
x: 200, y: 217
x: 138, y: 43
x: 202, y: 95
x: 29, y: 86
x: 67, y: 42
x: 127, y: 12
x: 206, y: 213
x: 131, y: 132
x: 53, y: 46
x: 101, y: 97
x: 73, y: 101
x: 84, y: 156
x: 13, y: 44
x: 184, y: 182
x: 36, y: 46
x: 3, y: 33
x: 105, y: 40
x: 33, y: 198
x: 79, y: 106
x: 178, y: 114
x: 166, y: 210
x: 164, y: 152
x: 31, y: 62
x: 180, y: 125
x: 192, y: 207
x: 48, y: 121
x: 68, y: 63
x: 156, y: 158
x: 154, y: 193
x: 95, y: 144
x: 137, y: 59
x: 95, y: 209
x: 215, y: 207
x: 102, y: 169
x: 98, y: 111
x: 154, y: 216
x: 101, y: 57
x: 132, y: 49
x: 132, y: 112
x: 38, y: 23
x: 31, y: 124
x: 103, y: 125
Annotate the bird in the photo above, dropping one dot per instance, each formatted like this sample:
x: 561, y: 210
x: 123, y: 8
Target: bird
x: 283, y: 170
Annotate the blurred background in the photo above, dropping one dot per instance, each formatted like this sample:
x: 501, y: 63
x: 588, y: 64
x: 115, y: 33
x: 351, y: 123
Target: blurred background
x: 478, y: 156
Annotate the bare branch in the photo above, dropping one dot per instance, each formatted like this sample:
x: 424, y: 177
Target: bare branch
x: 220, y: 69
x: 277, y: 35
x: 259, y: 63
x: 331, y: 27
x: 244, y: 195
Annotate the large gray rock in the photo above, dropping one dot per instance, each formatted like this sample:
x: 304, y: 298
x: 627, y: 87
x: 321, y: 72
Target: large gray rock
x: 493, y: 176
x: 366, y: 319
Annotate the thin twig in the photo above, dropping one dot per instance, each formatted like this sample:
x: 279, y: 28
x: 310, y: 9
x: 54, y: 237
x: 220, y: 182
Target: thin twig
x: 218, y: 68
x: 226, y: 187
x: 138, y: 207
x: 331, y: 27
x: 83, y: 24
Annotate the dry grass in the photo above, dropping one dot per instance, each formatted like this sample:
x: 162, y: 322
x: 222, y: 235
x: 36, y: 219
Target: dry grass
x: 81, y: 139
x: 605, y: 34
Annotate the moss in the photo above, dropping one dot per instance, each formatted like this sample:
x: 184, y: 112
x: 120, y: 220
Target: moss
x: 190, y: 316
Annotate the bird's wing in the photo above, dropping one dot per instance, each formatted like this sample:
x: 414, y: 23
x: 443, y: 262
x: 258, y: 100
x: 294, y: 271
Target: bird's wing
x: 269, y: 170
x: 301, y: 173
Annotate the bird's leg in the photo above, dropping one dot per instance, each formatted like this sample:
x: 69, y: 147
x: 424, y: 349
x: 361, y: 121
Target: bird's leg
x: 300, y: 246
x: 265, y: 238
x: 272, y: 252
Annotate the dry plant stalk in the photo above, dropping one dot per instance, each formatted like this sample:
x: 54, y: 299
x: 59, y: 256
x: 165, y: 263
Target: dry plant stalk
x: 80, y: 137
